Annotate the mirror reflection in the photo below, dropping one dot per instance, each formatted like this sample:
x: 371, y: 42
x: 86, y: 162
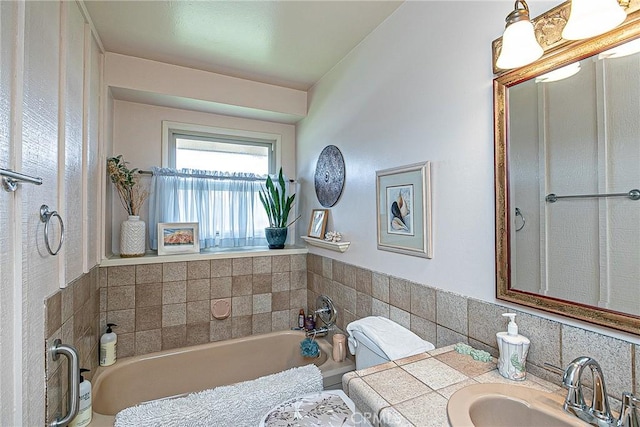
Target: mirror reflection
x: 575, y: 134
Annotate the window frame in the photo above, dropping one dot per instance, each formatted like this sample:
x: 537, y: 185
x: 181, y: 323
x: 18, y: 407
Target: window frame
x: 239, y: 136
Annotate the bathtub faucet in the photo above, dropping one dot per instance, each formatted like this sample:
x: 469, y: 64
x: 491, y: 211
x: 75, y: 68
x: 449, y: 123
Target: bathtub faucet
x: 321, y: 332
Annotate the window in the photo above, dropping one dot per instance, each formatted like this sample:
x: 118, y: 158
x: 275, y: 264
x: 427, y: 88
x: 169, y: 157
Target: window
x: 212, y: 176
x: 215, y: 149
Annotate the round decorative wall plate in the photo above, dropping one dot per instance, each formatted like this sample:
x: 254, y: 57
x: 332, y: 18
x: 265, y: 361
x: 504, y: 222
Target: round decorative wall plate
x: 329, y: 178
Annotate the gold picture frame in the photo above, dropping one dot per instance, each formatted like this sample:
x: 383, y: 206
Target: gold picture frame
x: 318, y: 223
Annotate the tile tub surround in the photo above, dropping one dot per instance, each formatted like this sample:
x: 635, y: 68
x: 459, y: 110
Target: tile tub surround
x: 415, y: 391
x: 446, y: 318
x: 168, y: 305
x: 72, y: 315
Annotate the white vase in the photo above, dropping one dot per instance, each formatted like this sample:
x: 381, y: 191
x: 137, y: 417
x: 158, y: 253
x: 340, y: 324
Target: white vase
x: 132, y: 237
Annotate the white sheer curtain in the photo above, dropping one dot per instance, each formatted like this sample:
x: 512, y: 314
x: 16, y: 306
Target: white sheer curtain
x: 226, y: 206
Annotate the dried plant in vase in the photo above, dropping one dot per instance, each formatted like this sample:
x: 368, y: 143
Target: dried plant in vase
x: 131, y: 194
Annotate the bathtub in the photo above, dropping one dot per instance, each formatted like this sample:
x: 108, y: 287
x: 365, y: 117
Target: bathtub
x: 133, y: 380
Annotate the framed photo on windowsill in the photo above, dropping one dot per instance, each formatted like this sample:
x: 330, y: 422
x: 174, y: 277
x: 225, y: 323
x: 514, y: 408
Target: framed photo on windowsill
x: 404, y: 210
x: 178, y: 238
x: 318, y: 223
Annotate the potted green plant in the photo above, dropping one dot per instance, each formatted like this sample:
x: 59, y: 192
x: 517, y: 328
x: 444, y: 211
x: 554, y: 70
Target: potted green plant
x: 278, y: 206
x: 132, y: 197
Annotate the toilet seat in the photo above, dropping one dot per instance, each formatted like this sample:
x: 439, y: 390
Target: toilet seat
x: 326, y: 408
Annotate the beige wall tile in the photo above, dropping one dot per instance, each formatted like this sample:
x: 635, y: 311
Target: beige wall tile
x: 197, y: 333
x: 241, y: 266
x: 198, y: 269
x: 174, y: 337
x: 400, y: 293
x: 121, y: 276
x: 379, y: 308
x: 545, y: 338
x: 280, y: 320
x: 242, y: 306
x: 447, y: 337
x: 174, y: 315
x: 299, y: 280
x: 280, y: 282
x: 126, y: 345
x: 174, y: 292
x: 221, y: 287
x: 67, y: 302
x: 364, y: 281
x: 298, y: 262
x: 199, y: 312
x: 125, y: 319
x: 281, y: 264
x: 148, y: 341
x: 261, y: 323
x: 350, y: 276
x: 148, y: 318
x: 261, y: 283
x: 423, y: 328
x: 148, y: 273
x: 401, y: 317
x: 451, y: 311
x: 221, y: 267
x: 262, y: 303
x: 241, y: 326
x: 262, y: 265
x: 298, y: 298
x: 380, y: 287
x: 148, y: 295
x: 121, y: 297
x: 242, y: 285
x: 174, y: 271
x: 327, y: 267
x: 363, y: 305
x: 338, y: 271
x: 53, y: 316
x: 280, y: 301
x: 485, y: 320
x: 220, y: 329
x: 199, y: 289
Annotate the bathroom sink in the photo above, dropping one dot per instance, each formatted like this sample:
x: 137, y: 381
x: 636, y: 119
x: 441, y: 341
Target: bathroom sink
x: 506, y: 405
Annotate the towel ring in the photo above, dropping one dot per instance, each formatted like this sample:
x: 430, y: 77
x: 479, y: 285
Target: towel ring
x: 45, y: 216
x: 518, y: 213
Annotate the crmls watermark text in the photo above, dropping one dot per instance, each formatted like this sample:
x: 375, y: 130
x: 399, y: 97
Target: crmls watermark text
x: 386, y: 417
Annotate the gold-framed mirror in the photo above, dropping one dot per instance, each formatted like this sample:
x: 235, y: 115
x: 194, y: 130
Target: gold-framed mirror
x: 579, y: 256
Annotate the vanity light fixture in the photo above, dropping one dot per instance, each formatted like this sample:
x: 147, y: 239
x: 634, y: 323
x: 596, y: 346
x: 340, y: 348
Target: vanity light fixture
x: 519, y: 44
x: 625, y: 49
x: 589, y: 18
x: 559, y: 74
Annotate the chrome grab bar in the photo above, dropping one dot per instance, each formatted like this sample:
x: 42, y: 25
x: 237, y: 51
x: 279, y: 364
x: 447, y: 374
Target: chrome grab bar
x: 11, y: 179
x: 73, y: 372
x: 632, y: 194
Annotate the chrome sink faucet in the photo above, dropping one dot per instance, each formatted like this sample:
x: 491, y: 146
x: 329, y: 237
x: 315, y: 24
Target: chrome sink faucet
x: 599, y: 414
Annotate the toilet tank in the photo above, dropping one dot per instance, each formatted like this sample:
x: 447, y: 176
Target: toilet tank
x: 367, y: 352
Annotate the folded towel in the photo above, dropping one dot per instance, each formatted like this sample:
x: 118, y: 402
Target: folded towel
x: 394, y: 340
x: 239, y: 405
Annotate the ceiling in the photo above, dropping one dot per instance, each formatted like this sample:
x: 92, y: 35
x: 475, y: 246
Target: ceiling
x: 285, y: 43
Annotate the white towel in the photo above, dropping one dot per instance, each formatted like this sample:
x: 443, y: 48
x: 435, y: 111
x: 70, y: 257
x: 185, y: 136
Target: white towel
x: 395, y: 340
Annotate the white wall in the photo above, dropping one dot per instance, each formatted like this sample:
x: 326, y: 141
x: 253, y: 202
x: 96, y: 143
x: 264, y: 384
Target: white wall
x: 137, y: 135
x: 46, y: 49
x: 418, y: 88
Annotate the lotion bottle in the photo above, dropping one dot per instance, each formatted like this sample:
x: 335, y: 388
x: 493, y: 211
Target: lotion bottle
x: 513, y: 351
x: 85, y: 411
x: 108, y: 342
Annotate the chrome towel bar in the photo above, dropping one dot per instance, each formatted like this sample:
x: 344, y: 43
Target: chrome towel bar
x: 11, y: 179
x: 73, y: 371
x: 45, y: 216
x: 632, y: 194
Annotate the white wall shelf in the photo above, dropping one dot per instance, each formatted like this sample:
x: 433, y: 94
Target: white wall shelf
x: 333, y: 246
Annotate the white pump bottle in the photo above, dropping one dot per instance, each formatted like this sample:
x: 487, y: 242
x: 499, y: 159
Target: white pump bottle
x: 513, y: 351
x: 108, y: 342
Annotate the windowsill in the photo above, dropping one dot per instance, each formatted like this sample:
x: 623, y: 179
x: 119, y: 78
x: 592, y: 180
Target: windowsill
x: 153, y: 258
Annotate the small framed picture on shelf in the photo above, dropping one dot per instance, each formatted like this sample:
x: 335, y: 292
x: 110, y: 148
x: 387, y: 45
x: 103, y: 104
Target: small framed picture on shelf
x: 178, y: 238
x: 318, y: 223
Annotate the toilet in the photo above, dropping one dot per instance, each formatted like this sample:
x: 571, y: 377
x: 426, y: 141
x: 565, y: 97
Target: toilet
x: 375, y: 340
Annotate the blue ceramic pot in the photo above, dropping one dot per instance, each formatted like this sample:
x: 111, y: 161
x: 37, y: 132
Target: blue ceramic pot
x: 276, y: 236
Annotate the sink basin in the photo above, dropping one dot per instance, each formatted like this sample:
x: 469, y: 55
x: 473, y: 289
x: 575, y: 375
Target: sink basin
x: 506, y: 405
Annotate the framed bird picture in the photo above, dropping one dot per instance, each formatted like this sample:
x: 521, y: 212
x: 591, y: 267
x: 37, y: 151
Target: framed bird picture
x: 404, y: 210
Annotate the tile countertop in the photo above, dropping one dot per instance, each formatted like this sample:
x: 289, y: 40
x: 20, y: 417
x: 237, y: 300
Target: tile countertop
x: 414, y: 391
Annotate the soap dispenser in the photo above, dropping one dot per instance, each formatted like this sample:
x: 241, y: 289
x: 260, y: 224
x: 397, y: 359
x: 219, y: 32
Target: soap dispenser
x: 83, y: 418
x: 513, y: 349
x: 108, y: 343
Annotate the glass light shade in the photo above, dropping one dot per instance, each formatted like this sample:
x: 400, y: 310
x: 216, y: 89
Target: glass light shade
x: 559, y: 74
x: 519, y: 46
x: 589, y: 18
